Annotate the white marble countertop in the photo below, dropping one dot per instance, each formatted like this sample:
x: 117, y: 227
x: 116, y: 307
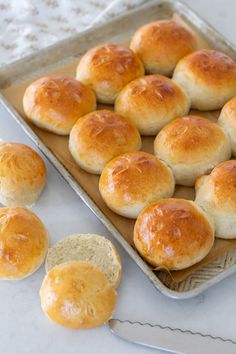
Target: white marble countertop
x: 24, y: 328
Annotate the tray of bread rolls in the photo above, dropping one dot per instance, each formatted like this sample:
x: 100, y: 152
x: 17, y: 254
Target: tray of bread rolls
x: 139, y: 116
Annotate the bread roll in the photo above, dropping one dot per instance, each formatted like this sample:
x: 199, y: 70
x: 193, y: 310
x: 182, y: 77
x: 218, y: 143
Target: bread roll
x: 56, y: 102
x: 209, y: 78
x: 152, y: 101
x: 216, y: 194
x: 77, y: 295
x: 87, y: 248
x: 227, y: 121
x: 23, y: 243
x: 107, y: 69
x: 22, y: 175
x: 191, y: 146
x: 100, y: 136
x: 173, y: 234
x: 133, y: 180
x: 161, y: 44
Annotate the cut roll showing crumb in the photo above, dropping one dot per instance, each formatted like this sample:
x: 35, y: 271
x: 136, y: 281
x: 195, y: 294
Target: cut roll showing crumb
x: 89, y: 248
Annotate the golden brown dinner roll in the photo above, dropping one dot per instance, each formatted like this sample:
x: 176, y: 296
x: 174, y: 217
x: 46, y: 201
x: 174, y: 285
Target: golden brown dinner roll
x: 100, y: 136
x: 89, y: 248
x: 227, y: 121
x: 77, y: 295
x: 56, y: 102
x: 216, y: 194
x: 133, y: 180
x: 161, y: 44
x: 107, y: 69
x: 23, y: 243
x: 173, y: 234
x: 209, y: 78
x: 22, y: 174
x: 152, y: 101
x: 191, y: 146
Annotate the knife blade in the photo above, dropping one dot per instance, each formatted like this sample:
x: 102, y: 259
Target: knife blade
x: 173, y: 340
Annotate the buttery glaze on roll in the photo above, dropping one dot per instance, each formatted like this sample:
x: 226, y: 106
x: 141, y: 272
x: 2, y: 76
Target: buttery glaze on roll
x: 208, y: 77
x: 56, y: 102
x: 161, y: 44
x: 216, y: 193
x: 23, y: 243
x: 173, y: 234
x: 227, y: 121
x: 77, y: 295
x: 191, y: 146
x: 100, y: 136
x: 107, y: 69
x: 151, y: 102
x: 89, y: 248
x: 133, y: 180
x: 22, y: 174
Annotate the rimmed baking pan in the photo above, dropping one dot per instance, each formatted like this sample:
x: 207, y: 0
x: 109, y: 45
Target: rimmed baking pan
x: 62, y: 58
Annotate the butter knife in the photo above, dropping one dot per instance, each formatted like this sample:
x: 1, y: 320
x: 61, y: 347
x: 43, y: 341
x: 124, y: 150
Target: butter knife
x: 173, y: 340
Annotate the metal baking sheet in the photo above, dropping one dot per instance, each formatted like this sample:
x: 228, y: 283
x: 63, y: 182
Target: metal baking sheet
x: 65, y: 52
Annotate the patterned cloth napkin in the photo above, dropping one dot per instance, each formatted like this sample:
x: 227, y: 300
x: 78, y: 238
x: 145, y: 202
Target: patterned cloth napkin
x: 29, y: 25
